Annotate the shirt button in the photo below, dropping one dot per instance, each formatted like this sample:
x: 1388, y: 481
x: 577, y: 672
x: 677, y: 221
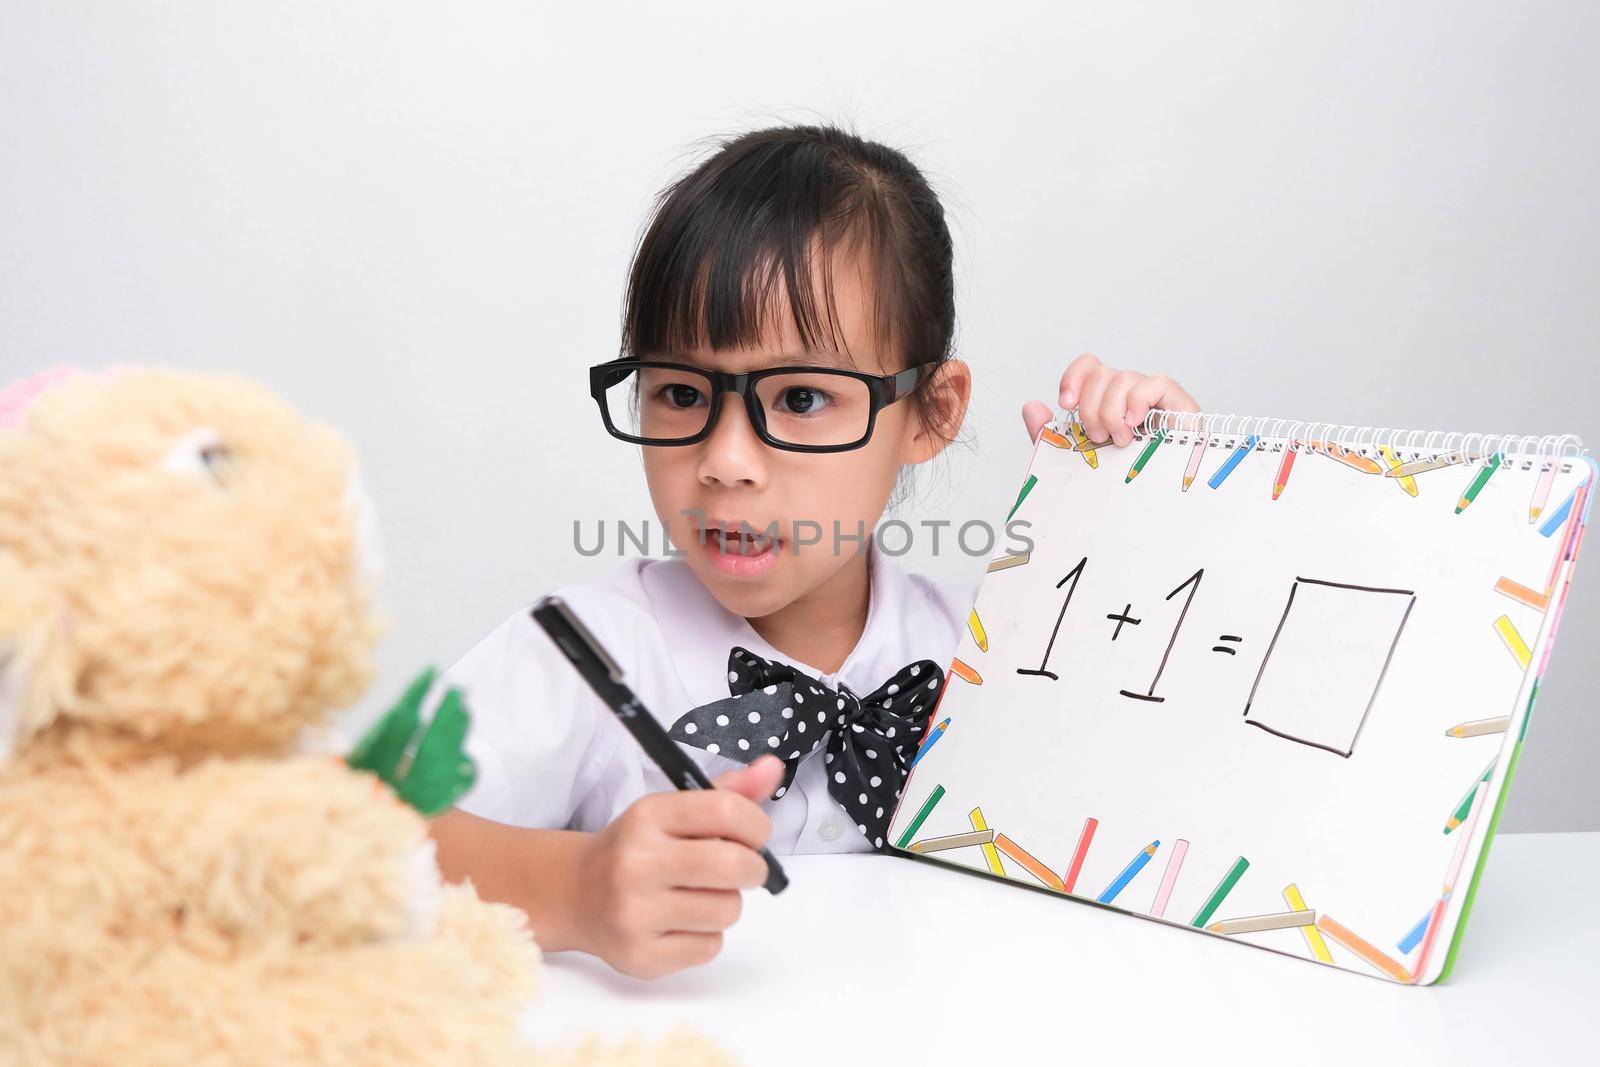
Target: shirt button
x: 830, y: 829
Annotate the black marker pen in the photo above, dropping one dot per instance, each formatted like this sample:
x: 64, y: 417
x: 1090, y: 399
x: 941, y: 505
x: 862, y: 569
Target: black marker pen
x: 605, y: 678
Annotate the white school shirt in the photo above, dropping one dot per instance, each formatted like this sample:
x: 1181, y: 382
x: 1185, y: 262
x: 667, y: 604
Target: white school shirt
x: 551, y: 755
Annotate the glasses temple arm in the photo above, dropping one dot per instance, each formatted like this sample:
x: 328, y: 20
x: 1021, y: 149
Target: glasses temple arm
x: 904, y: 382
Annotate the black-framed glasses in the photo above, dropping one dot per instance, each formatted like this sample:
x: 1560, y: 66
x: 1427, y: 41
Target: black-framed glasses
x: 798, y: 408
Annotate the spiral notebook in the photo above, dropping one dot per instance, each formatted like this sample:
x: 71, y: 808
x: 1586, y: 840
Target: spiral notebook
x: 1258, y: 678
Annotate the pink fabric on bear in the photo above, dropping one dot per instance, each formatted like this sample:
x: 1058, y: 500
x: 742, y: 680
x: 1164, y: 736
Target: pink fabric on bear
x: 15, y: 398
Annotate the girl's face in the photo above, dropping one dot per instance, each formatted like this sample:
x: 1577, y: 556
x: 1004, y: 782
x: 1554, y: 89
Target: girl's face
x: 732, y: 483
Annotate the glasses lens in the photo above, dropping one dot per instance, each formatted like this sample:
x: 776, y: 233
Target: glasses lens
x: 815, y: 408
x: 658, y: 403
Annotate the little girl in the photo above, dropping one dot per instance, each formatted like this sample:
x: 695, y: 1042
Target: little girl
x: 786, y: 355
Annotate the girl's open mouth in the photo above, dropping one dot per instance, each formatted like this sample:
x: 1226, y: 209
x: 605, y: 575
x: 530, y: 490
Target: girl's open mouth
x: 740, y: 552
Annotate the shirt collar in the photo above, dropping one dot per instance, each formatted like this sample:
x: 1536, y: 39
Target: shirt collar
x: 700, y: 632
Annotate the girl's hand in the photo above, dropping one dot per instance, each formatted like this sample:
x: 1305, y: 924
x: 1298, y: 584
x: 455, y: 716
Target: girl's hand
x: 662, y: 882
x: 1110, y: 402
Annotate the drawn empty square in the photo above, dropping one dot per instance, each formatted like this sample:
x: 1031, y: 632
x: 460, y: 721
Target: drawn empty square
x: 1326, y: 662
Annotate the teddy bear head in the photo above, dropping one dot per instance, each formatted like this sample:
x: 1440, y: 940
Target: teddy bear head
x: 183, y: 568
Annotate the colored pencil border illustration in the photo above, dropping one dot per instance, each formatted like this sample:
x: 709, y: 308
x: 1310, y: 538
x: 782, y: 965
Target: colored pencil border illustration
x: 1385, y: 460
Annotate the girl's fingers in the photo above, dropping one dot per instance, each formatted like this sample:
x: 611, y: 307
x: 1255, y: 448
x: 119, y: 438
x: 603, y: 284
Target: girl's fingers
x: 1089, y: 406
x: 712, y: 865
x: 1110, y: 403
x: 1035, y: 414
x: 1177, y: 398
x: 1114, y: 407
x: 703, y: 911
x: 1158, y: 391
x: 1146, y: 393
x: 756, y: 781
x: 680, y: 949
x: 1076, y: 377
x: 710, y: 813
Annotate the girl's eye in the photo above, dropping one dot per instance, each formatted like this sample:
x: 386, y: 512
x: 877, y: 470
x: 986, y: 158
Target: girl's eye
x: 680, y: 395
x: 801, y: 400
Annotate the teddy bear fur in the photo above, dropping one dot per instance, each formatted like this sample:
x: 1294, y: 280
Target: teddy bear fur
x: 185, y: 594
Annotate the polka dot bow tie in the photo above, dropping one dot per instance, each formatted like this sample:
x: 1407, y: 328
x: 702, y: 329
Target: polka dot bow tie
x: 869, y: 741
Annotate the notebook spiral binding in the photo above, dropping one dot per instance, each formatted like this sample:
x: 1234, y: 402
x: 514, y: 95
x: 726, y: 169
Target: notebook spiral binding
x: 1299, y: 435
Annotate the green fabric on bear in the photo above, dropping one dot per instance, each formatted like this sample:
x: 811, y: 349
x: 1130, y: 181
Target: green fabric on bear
x: 437, y: 771
x: 440, y: 771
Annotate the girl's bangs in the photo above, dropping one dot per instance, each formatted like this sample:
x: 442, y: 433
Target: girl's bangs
x: 727, y: 265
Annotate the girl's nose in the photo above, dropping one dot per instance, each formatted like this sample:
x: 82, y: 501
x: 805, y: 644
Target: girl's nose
x: 733, y: 455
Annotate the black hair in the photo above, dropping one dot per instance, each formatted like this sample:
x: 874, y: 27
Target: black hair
x: 771, y: 206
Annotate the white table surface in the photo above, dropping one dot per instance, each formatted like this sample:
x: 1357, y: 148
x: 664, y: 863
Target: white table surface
x: 877, y: 960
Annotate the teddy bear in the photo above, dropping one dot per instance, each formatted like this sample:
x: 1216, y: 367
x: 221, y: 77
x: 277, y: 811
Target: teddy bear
x: 187, y: 585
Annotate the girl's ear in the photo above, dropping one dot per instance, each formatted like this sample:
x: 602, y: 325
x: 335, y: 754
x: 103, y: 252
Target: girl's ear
x: 943, y: 409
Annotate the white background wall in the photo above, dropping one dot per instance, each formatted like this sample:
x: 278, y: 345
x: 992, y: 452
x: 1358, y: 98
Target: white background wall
x: 414, y: 220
